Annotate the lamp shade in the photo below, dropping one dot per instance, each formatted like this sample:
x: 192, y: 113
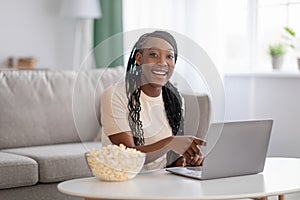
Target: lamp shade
x: 85, y: 9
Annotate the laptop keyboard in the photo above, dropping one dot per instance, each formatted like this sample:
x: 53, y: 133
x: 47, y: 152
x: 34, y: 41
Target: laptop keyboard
x: 198, y: 168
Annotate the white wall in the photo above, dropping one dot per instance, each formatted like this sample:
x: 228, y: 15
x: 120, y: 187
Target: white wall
x: 36, y: 28
x: 268, y: 95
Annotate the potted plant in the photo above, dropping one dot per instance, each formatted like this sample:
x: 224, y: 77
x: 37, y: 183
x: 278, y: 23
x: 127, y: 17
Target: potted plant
x: 277, y: 52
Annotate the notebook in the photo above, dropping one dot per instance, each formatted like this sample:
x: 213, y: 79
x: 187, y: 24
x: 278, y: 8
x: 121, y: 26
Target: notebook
x: 233, y: 149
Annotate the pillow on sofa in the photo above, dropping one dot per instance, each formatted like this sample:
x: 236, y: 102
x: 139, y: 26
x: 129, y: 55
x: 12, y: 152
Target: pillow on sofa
x: 52, y: 107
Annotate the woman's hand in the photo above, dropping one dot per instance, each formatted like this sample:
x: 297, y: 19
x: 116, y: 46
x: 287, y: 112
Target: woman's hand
x: 181, y: 162
x: 193, y: 154
x: 188, y: 147
x: 194, y: 160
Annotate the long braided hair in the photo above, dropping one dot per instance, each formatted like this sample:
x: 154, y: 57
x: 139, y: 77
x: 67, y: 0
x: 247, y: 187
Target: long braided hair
x: 171, y: 97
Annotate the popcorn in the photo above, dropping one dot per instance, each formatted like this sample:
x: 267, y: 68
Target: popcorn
x: 115, y: 163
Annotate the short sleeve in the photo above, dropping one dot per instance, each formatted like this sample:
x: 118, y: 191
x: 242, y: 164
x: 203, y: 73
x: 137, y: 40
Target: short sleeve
x: 114, y: 111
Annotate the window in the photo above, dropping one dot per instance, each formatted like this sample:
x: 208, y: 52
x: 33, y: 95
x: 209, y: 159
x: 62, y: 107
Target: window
x: 251, y: 25
x: 272, y: 17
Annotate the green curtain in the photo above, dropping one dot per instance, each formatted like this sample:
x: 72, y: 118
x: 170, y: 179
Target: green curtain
x: 109, y: 47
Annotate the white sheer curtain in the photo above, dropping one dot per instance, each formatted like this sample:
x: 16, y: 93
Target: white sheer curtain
x: 166, y: 14
x: 197, y: 19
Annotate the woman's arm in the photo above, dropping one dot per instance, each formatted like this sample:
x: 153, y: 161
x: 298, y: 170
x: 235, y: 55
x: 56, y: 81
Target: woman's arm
x: 184, y: 145
x: 153, y: 151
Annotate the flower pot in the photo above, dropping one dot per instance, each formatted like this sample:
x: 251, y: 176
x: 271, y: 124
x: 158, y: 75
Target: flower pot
x: 277, y: 62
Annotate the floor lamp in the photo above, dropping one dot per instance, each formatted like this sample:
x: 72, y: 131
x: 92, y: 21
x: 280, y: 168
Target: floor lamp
x: 84, y: 11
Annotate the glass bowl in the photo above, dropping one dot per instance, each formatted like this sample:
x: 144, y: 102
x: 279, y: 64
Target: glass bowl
x: 115, y: 163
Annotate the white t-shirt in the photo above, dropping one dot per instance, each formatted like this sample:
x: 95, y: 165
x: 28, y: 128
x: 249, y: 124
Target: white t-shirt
x: 114, y: 118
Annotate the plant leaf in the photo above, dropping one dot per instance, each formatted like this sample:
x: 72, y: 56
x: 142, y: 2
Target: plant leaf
x: 290, y: 31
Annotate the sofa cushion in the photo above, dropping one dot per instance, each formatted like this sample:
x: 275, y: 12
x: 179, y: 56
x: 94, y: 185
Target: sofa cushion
x: 52, y: 107
x: 59, y: 162
x: 16, y: 170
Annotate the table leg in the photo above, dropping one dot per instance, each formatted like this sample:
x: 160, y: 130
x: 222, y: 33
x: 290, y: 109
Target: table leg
x: 281, y: 197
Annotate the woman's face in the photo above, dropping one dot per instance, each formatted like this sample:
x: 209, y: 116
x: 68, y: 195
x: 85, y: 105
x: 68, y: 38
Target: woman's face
x: 157, y: 59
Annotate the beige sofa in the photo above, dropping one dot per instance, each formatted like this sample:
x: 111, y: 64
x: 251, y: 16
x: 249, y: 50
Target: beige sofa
x: 49, y: 119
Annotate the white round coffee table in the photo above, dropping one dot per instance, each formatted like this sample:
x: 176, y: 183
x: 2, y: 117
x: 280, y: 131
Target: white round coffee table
x: 280, y: 176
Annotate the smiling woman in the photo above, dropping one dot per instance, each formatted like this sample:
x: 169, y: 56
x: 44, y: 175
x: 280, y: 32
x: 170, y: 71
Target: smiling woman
x: 146, y: 111
x: 158, y: 67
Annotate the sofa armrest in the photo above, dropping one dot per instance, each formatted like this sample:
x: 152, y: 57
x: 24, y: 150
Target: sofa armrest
x: 197, y: 114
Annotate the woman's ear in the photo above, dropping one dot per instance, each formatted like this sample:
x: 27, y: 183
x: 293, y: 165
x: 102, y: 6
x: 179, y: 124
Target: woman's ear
x: 138, y: 58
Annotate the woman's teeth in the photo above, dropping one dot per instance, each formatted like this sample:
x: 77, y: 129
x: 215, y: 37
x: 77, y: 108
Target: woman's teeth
x: 159, y: 72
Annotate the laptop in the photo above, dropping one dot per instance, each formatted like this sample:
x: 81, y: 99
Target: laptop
x: 233, y: 149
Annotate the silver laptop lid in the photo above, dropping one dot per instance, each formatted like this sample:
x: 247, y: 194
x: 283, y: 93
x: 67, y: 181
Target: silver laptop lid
x: 239, y: 149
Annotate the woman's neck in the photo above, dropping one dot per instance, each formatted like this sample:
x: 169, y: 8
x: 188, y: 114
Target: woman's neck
x: 151, y: 90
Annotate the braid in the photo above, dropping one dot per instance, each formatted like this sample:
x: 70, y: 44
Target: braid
x: 173, y: 107
x: 171, y: 96
x: 133, y: 91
